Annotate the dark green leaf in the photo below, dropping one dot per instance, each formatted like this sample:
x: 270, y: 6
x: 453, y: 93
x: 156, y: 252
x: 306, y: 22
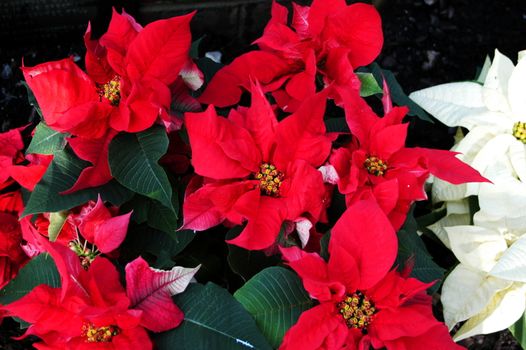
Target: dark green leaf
x: 208, y: 67
x: 519, y: 331
x: 46, y: 140
x: 134, y: 163
x: 275, y: 298
x: 154, y: 214
x: 194, y: 48
x: 40, y: 270
x: 324, y: 246
x: 336, y: 125
x: 213, y: 319
x: 398, y: 95
x: 143, y: 239
x: 369, y: 85
x: 411, y: 247
x: 31, y: 99
x: 246, y: 263
x: 62, y: 173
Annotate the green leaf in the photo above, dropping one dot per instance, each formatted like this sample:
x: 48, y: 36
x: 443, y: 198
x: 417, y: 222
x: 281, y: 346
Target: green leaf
x: 324, y: 246
x: 154, y: 214
x: 247, y: 263
x: 208, y: 67
x: 31, y: 99
x: 481, y: 77
x: 411, y: 246
x: 39, y: 270
x: 397, y: 93
x: 336, y: 125
x: 194, y: 48
x: 143, y: 239
x: 62, y: 173
x: 213, y: 319
x: 369, y: 85
x: 519, y: 331
x: 275, y: 298
x: 56, y: 222
x: 134, y: 163
x: 46, y: 140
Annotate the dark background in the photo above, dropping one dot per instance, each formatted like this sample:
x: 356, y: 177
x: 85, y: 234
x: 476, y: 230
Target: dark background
x: 427, y: 42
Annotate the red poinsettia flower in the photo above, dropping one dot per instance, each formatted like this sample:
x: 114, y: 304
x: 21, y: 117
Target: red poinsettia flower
x: 127, y: 87
x: 12, y: 256
x: 257, y: 169
x: 361, y: 303
x: 90, y: 309
x: 376, y: 164
x: 15, y: 167
x: 328, y: 38
x: 88, y: 230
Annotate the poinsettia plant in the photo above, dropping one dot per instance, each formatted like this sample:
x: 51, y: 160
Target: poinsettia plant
x: 270, y: 206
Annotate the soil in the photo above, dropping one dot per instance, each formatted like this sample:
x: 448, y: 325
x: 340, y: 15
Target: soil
x: 427, y: 42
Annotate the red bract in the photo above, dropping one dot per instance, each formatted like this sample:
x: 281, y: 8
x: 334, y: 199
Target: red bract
x: 12, y: 257
x: 151, y: 291
x: 126, y: 88
x: 376, y: 164
x: 257, y: 169
x: 90, y: 310
x: 92, y: 223
x: 361, y: 302
x: 328, y: 38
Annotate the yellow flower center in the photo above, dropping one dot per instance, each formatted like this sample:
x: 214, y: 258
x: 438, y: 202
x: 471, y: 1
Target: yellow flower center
x: 375, y: 166
x: 111, y: 90
x: 94, y: 334
x: 357, y: 310
x: 519, y: 131
x: 85, y: 254
x: 270, y: 179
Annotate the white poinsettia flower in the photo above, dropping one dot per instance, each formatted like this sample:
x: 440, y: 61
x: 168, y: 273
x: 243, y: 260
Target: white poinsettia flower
x: 494, y: 113
x: 488, y: 287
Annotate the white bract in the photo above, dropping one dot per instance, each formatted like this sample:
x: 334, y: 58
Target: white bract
x: 494, y: 113
x: 488, y: 288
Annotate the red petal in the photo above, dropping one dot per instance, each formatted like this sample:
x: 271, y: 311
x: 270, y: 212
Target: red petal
x: 97, y: 66
x: 225, y: 88
x: 160, y: 50
x: 68, y: 98
x: 444, y: 165
x: 150, y: 290
x: 365, y: 233
x: 111, y: 233
x: 95, y: 151
x: 313, y: 271
x: 387, y: 141
x: 436, y: 338
x: 28, y: 176
x: 279, y: 13
x: 300, y: 19
x: 263, y: 228
x: 406, y: 321
x: 121, y: 32
x: 313, y: 328
x: 302, y: 135
x: 320, y: 10
x: 220, y: 148
x: 260, y: 121
x: 357, y: 27
x: 211, y: 204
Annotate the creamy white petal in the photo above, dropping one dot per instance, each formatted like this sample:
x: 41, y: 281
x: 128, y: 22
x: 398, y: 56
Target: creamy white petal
x: 477, y: 247
x: 512, y: 264
x: 517, y: 90
x: 445, y: 191
x: 495, y: 89
x: 504, y: 309
x: 517, y: 155
x: 466, y: 292
x: 447, y: 221
x: 454, y: 104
